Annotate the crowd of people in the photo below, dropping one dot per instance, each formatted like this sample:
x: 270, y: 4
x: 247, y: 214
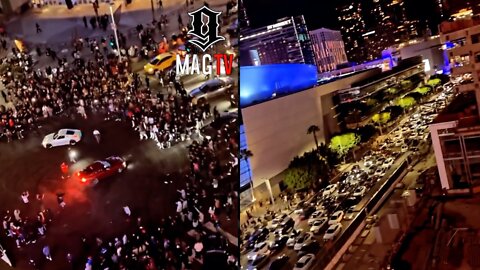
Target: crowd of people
x: 28, y: 222
x: 92, y: 81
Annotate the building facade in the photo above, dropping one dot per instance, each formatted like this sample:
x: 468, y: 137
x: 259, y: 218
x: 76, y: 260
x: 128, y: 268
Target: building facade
x: 456, y: 130
x: 352, y: 26
x: 274, y: 129
x: 287, y: 41
x: 329, y: 49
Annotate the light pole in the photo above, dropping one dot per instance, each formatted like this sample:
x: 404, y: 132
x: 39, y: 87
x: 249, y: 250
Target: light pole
x: 153, y: 12
x: 114, y: 27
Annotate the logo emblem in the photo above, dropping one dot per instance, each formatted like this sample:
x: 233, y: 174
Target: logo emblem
x: 205, y: 32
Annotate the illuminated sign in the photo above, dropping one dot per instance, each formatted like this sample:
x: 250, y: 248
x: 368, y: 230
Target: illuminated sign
x: 261, y: 83
x: 280, y: 24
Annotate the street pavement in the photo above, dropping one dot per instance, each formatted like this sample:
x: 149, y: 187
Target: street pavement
x: 149, y: 185
x: 68, y: 24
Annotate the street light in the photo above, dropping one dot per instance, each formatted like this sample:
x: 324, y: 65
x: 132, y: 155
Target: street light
x: 153, y: 12
x: 114, y: 27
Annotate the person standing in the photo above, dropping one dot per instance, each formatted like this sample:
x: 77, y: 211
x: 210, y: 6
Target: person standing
x: 96, y: 134
x: 64, y: 169
x: 39, y: 30
x: 85, y: 22
x: 25, y: 195
x: 46, y: 252
x: 147, y: 81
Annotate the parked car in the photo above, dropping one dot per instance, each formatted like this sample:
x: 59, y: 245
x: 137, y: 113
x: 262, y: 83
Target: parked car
x: 359, y: 191
x: 278, y: 243
x: 302, y: 239
x: 293, y: 237
x: 318, y: 225
x: 330, y: 189
x: 259, y: 261
x: 279, y: 263
x: 312, y: 246
x: 260, y: 248
x: 315, y: 216
x: 305, y: 262
x: 336, y: 217
x: 332, y: 232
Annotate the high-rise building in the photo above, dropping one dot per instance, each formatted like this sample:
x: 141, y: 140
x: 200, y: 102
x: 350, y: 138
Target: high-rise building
x: 456, y: 130
x: 352, y: 26
x: 242, y: 16
x: 329, y: 49
x: 286, y: 41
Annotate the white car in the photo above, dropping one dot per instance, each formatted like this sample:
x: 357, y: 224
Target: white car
x: 318, y: 225
x: 315, y: 216
x: 305, y: 262
x: 292, y: 239
x: 379, y: 172
x: 260, y: 248
x: 330, y: 189
x: 369, y: 163
x: 62, y: 137
x: 389, y: 162
x: 332, y: 231
x: 350, y: 214
x: 404, y: 148
x: 336, y: 217
x: 360, y: 191
x: 301, y: 240
x: 398, y: 142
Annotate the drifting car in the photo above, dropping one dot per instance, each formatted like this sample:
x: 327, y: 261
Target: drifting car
x: 101, y: 169
x: 62, y: 137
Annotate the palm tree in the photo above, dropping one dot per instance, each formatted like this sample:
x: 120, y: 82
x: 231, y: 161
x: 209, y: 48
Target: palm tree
x: 245, y: 154
x: 313, y: 129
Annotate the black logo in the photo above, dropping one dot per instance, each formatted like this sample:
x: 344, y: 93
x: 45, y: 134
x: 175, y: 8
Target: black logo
x: 205, y: 32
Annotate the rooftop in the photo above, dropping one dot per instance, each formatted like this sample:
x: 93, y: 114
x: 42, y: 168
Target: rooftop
x: 462, y: 108
x: 459, y: 24
x: 403, y: 65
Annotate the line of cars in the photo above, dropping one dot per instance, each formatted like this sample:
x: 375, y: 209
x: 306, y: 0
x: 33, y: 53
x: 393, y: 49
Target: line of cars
x: 339, y: 201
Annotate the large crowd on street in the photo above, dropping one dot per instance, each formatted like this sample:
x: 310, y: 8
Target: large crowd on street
x: 91, y: 82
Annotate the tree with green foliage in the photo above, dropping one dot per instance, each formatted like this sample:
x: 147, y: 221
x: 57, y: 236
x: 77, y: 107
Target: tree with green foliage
x: 392, y: 90
x: 381, y: 118
x: 313, y: 129
x: 342, y: 143
x: 434, y: 82
x: 406, y: 84
x: 406, y: 102
x: 298, y: 178
x: 423, y: 89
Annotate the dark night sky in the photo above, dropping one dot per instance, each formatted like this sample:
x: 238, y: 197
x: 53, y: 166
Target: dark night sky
x: 321, y: 13
x: 318, y: 13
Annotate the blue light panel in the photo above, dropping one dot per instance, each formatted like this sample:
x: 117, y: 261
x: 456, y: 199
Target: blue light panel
x: 261, y: 83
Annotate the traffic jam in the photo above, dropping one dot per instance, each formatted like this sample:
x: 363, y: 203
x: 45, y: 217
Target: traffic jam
x: 294, y: 238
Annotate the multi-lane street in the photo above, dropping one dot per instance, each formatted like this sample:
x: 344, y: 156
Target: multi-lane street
x: 387, y: 156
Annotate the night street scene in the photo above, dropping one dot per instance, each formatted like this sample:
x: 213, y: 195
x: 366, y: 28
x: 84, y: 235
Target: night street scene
x: 109, y: 158
x: 359, y: 134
